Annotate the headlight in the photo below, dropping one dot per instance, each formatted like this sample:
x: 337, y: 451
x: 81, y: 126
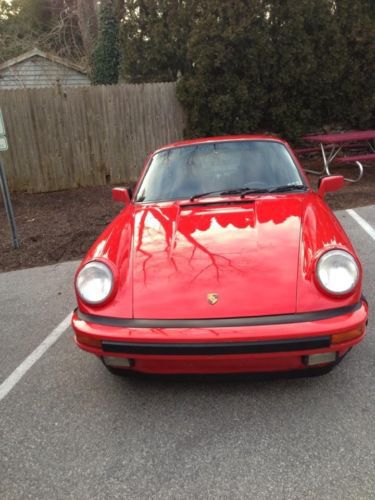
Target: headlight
x: 94, y: 282
x: 337, y: 272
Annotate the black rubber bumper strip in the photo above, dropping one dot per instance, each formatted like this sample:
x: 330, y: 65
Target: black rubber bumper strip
x: 280, y: 319
x: 256, y: 347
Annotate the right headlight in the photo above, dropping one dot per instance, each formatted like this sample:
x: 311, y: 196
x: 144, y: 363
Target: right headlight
x: 95, y: 282
x: 337, y: 272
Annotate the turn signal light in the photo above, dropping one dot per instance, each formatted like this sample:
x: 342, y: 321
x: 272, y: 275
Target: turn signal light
x: 338, y: 338
x: 88, y: 340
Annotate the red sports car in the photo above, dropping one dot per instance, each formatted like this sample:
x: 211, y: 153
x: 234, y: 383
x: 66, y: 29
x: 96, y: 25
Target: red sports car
x: 223, y: 260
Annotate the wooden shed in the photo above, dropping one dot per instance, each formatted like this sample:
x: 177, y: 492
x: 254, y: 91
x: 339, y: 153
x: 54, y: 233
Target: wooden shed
x: 40, y: 69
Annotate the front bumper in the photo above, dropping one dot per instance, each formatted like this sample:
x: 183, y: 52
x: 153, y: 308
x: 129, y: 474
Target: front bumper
x: 230, y: 345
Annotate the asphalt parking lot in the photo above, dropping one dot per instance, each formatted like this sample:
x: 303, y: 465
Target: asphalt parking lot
x: 69, y: 429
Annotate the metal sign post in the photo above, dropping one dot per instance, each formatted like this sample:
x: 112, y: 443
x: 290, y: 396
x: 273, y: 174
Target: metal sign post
x: 4, y: 187
x: 8, y: 206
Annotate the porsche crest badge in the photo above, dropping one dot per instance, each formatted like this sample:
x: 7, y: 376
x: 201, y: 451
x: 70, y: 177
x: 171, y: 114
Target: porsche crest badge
x: 212, y: 298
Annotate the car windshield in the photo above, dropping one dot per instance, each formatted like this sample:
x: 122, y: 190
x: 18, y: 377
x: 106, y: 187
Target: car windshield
x: 192, y: 171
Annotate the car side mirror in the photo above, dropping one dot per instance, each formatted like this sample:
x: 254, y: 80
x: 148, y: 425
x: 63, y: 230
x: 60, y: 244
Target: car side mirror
x: 330, y: 184
x: 122, y: 195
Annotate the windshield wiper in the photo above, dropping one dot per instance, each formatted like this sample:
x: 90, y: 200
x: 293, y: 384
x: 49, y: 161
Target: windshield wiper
x: 244, y: 191
x: 287, y: 187
x: 241, y: 191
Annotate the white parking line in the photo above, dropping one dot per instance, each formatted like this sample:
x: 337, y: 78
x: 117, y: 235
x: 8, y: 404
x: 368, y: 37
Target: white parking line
x: 364, y: 224
x: 32, y: 358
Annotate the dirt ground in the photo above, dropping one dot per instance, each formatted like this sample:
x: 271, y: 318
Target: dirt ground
x: 54, y: 227
x: 60, y: 226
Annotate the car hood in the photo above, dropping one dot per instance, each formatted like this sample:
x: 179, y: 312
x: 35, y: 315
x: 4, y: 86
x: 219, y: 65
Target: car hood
x: 239, y: 258
x: 216, y: 260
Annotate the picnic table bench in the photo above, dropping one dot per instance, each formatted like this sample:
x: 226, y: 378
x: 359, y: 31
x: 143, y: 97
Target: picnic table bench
x: 332, y: 148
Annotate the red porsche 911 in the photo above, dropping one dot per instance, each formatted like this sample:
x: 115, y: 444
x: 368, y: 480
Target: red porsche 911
x: 223, y: 260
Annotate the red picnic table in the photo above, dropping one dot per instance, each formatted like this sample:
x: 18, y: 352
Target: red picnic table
x: 332, y: 147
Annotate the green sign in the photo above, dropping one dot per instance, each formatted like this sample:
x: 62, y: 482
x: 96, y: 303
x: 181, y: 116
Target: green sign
x: 2, y: 126
x: 3, y: 143
x: 3, y: 139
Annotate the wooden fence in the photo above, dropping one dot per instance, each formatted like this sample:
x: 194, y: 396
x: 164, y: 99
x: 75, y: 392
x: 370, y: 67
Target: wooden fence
x: 61, y: 138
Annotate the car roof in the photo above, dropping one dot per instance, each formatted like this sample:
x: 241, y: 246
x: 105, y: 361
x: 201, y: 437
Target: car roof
x: 224, y: 138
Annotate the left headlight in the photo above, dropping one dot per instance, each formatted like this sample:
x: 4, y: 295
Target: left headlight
x: 95, y: 282
x: 337, y: 272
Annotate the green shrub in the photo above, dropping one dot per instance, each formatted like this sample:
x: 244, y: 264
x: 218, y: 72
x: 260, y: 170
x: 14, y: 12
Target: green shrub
x: 286, y: 67
x: 105, y: 57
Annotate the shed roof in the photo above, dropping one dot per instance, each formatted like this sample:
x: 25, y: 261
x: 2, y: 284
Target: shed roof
x: 46, y: 55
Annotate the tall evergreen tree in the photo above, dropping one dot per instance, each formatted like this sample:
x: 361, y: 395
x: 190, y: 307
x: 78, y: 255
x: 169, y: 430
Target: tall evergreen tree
x: 304, y: 65
x: 354, y: 102
x: 154, y: 38
x: 282, y: 66
x: 105, y: 57
x: 224, y: 90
